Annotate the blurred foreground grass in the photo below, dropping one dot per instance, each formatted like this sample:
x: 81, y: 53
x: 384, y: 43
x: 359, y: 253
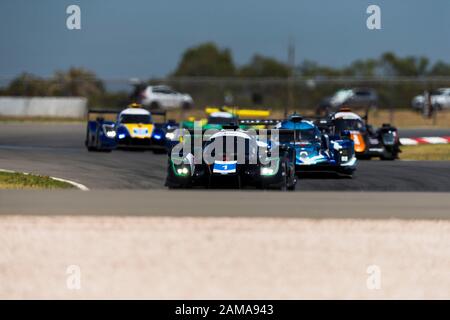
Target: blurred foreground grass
x: 426, y: 152
x: 13, y: 180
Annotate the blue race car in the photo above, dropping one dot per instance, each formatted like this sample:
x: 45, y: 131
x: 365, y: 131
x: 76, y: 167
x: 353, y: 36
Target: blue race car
x: 317, y: 151
x: 131, y: 128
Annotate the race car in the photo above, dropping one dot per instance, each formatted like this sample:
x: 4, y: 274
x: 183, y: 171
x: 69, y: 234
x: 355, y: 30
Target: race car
x: 131, y: 128
x: 383, y: 142
x: 231, y: 157
x: 317, y: 151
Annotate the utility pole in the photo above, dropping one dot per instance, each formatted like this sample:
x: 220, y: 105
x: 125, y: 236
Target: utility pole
x: 290, y: 80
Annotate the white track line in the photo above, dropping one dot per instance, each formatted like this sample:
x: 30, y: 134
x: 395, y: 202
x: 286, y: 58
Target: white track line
x: 75, y: 184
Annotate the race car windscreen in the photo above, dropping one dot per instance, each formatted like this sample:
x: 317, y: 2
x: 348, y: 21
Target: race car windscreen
x: 221, y: 120
x: 136, y: 118
x: 348, y: 124
x: 304, y: 135
x: 231, y: 145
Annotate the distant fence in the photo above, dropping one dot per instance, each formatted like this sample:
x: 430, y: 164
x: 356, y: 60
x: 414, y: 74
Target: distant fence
x: 58, y: 107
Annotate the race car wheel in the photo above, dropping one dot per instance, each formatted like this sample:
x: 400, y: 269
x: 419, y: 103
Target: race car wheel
x: 389, y: 156
x: 291, y: 187
x: 88, y: 143
x: 284, y: 179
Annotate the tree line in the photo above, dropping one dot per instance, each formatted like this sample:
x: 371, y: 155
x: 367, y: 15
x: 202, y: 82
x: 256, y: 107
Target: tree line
x: 209, y: 60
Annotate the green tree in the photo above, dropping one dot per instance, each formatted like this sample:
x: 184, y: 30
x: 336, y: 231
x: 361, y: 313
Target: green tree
x: 261, y: 66
x: 206, y: 60
x: 362, y: 68
x: 409, y: 66
x: 27, y: 84
x: 440, y: 68
x: 76, y: 82
x: 310, y: 68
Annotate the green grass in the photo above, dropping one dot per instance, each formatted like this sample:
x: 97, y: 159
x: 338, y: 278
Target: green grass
x: 10, y: 180
x: 426, y: 152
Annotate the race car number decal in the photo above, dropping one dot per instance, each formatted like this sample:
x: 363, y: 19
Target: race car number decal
x: 224, y: 167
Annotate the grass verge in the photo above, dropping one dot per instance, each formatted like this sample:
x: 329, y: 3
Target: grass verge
x: 15, y: 180
x: 426, y: 152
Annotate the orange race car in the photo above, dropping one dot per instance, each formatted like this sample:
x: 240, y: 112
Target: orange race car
x: 369, y: 142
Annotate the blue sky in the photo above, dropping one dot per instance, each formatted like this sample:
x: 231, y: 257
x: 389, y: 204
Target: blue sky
x: 144, y: 38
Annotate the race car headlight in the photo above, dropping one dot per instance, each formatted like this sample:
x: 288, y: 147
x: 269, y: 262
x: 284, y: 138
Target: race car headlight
x: 157, y: 137
x: 121, y: 135
x: 271, y: 169
x: 170, y: 135
x: 109, y: 131
x: 183, y: 171
x: 267, y: 171
x: 111, y: 134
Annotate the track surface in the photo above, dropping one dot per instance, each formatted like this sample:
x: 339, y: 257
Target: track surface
x: 57, y: 149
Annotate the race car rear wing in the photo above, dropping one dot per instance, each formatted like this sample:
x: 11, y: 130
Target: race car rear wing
x: 281, y: 135
x: 103, y: 115
x: 111, y: 115
x: 240, y: 112
x: 259, y: 122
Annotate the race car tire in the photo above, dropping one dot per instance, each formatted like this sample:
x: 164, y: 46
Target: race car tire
x: 159, y: 151
x: 282, y: 185
x: 388, y: 157
x: 346, y: 173
x: 291, y: 187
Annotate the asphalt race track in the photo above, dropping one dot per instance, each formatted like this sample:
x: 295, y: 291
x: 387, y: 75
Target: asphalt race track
x: 57, y: 149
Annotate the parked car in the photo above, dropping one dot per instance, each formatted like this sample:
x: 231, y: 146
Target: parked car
x: 161, y: 97
x: 440, y: 99
x: 353, y: 98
